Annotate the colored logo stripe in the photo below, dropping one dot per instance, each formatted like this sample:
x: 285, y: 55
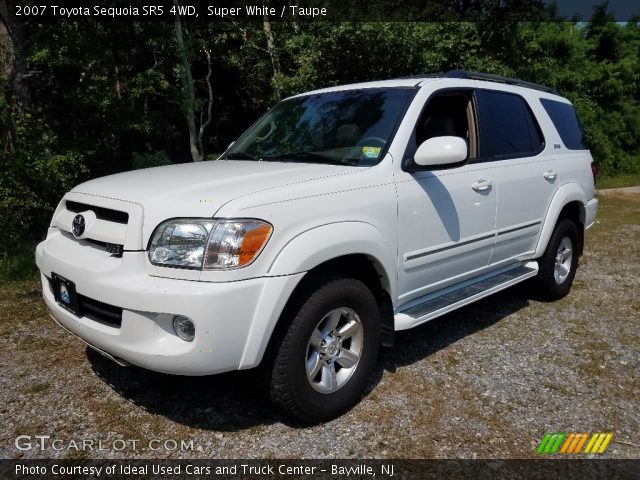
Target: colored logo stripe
x: 574, y: 443
x: 550, y: 443
x: 598, y: 442
x: 555, y: 442
x: 567, y: 443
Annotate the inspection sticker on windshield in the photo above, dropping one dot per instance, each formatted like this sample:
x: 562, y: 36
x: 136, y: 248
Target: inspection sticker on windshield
x: 371, y: 152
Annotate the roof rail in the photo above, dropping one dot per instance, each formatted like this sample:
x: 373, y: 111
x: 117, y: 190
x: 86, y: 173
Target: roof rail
x: 489, y: 77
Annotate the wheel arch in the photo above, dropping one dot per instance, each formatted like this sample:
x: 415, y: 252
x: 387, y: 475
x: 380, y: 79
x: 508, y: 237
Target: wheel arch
x: 354, y: 249
x: 568, y: 202
x: 359, y: 266
x: 369, y: 271
x: 327, y: 243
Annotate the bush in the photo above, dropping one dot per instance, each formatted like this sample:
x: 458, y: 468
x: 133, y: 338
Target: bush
x: 31, y: 185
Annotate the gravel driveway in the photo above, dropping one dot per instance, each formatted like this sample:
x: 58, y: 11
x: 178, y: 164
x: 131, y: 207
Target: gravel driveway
x: 487, y: 381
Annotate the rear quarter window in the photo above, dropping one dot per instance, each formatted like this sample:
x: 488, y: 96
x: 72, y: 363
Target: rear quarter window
x: 564, y: 118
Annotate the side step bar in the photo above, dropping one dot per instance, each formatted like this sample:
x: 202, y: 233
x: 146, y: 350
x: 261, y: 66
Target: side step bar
x: 463, y: 294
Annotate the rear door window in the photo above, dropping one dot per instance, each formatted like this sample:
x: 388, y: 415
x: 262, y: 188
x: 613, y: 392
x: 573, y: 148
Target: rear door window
x: 508, y: 129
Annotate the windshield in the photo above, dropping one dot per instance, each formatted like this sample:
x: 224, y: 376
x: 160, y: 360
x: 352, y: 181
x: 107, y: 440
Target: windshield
x: 350, y: 127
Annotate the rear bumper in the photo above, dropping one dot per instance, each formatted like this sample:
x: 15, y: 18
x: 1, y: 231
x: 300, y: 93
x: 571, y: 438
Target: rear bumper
x: 591, y: 209
x: 233, y: 319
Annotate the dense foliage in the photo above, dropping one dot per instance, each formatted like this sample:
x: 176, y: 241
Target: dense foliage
x: 83, y: 99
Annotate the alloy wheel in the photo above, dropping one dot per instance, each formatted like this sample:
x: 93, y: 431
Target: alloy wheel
x: 334, y: 350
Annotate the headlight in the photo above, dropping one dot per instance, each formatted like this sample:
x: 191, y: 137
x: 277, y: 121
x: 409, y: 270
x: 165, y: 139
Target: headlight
x: 180, y: 242
x: 208, y: 244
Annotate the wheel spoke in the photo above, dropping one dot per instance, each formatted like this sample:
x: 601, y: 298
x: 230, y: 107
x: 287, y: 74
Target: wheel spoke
x: 332, y: 321
x: 562, y: 270
x: 349, y: 330
x: 314, y: 363
x: 316, y: 338
x: 347, y: 358
x: 329, y: 379
x: 566, y: 254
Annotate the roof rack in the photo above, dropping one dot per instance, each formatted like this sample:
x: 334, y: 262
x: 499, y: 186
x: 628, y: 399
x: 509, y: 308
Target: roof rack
x: 489, y: 77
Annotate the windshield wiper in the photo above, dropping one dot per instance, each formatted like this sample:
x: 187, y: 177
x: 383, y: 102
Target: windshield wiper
x: 242, y: 156
x: 309, y: 157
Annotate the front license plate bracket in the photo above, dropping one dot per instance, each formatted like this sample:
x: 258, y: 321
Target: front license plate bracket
x: 64, y: 291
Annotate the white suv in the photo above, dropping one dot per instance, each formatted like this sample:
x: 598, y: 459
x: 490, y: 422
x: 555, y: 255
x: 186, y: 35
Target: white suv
x: 339, y: 217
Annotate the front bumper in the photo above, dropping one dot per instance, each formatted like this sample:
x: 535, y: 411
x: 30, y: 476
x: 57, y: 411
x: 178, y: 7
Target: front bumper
x: 233, y: 319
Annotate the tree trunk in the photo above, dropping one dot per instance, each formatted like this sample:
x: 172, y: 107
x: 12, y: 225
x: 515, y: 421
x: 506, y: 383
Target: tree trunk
x: 188, y: 91
x: 273, y: 54
x: 206, y: 123
x: 294, y: 22
x: 14, y: 71
x: 12, y: 30
x: 118, y: 85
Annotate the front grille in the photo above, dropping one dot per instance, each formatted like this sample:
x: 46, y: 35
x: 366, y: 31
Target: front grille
x: 100, y: 312
x: 102, y: 213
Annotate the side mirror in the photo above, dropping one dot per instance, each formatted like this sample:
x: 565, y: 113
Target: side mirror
x: 441, y: 151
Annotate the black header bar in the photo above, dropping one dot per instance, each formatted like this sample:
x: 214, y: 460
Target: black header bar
x: 322, y: 10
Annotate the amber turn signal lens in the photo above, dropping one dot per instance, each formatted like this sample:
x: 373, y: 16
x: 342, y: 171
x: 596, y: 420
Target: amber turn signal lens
x: 235, y: 243
x: 253, y: 242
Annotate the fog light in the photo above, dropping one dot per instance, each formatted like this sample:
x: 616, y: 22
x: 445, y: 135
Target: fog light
x: 184, y: 328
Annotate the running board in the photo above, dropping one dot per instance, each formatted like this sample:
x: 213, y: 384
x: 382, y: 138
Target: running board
x: 464, y: 294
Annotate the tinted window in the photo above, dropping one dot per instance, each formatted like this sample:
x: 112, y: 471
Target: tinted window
x: 507, y: 126
x: 447, y: 113
x: 351, y: 127
x: 564, y: 118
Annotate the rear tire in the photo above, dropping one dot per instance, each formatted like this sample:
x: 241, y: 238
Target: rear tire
x: 560, y: 260
x: 323, y: 361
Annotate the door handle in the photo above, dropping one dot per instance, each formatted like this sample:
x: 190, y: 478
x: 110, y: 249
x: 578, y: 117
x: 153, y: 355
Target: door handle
x: 482, y: 185
x: 550, y: 175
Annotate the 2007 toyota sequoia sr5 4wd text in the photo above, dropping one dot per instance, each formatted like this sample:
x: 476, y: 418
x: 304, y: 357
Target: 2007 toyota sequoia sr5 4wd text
x: 341, y: 216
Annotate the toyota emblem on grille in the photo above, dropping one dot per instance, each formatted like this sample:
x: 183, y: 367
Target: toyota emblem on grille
x: 77, y: 226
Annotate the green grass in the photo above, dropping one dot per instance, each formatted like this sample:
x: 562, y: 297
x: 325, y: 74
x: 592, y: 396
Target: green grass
x: 619, y: 181
x: 18, y: 265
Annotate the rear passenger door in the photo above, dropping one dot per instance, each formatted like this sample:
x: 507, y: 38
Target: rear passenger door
x: 512, y: 142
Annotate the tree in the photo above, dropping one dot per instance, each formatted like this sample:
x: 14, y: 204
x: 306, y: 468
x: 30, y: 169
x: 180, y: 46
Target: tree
x: 190, y: 103
x: 273, y: 55
x: 73, y: 106
x: 14, y: 73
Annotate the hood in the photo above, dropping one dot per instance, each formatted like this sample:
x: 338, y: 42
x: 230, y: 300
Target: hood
x: 201, y: 189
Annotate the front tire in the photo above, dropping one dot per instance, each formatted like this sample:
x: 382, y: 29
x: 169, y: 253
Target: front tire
x: 325, y: 358
x: 559, y: 263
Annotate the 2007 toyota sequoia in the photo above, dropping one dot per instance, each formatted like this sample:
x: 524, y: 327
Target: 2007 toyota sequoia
x: 341, y: 216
